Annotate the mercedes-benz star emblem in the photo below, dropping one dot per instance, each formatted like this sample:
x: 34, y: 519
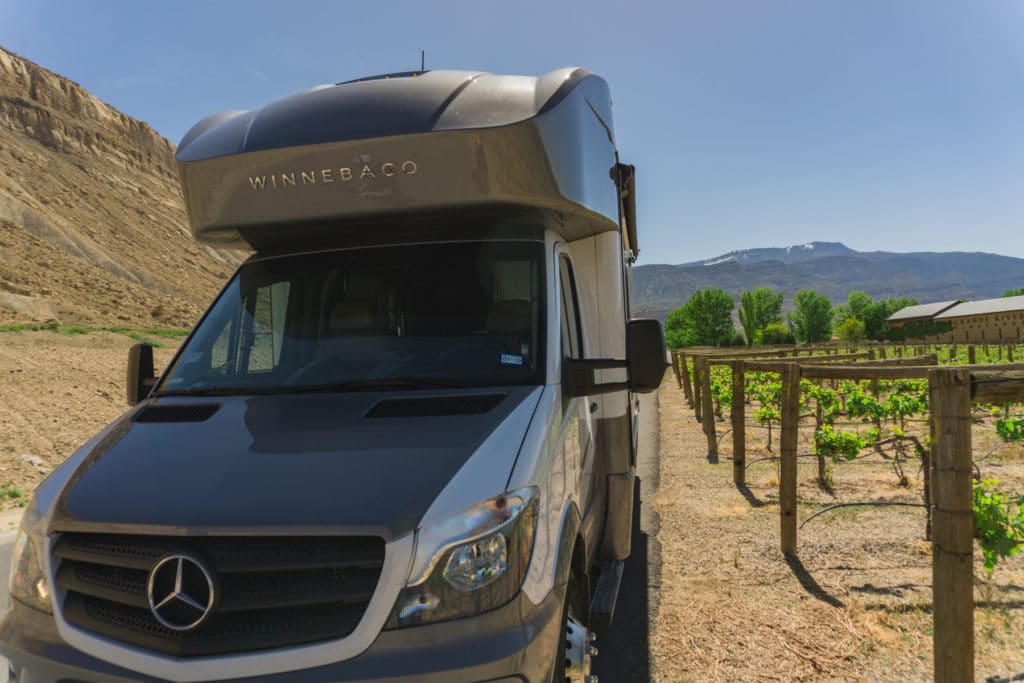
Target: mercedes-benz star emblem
x: 180, y: 592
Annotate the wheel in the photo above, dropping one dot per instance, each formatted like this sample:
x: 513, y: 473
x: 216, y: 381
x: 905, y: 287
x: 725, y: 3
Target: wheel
x: 572, y: 663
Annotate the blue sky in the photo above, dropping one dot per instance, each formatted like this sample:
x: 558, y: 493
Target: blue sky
x: 884, y: 125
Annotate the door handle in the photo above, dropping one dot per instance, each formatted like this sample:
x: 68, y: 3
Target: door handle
x: 593, y: 406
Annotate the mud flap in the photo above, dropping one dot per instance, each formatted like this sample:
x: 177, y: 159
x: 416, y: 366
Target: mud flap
x: 606, y: 594
x: 618, y: 533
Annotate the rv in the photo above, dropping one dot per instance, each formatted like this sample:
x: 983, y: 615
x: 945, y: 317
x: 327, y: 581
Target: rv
x: 400, y: 444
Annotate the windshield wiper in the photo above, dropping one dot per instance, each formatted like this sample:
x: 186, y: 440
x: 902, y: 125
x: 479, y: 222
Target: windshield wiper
x: 347, y: 385
x: 380, y: 383
x: 220, y: 391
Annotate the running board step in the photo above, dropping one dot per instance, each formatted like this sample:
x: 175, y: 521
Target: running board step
x: 606, y: 594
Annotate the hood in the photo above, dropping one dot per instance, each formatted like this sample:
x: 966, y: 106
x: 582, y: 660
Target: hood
x: 352, y: 464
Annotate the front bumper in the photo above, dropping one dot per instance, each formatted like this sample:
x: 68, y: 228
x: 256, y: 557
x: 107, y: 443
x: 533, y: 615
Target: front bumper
x: 514, y: 644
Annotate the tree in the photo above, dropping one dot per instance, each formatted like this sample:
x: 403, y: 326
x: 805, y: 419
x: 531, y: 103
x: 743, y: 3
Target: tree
x: 856, y: 306
x: 811, y: 319
x: 858, y: 302
x: 774, y: 333
x: 705, y: 320
x: 874, y: 316
x: 1014, y: 292
x: 679, y: 329
x: 758, y: 308
x: 840, y: 314
x: 850, y: 330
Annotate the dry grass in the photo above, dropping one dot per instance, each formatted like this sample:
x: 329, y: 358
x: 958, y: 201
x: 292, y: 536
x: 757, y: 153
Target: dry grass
x: 856, y: 606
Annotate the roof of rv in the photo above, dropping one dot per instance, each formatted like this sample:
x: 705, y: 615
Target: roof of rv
x: 380, y: 106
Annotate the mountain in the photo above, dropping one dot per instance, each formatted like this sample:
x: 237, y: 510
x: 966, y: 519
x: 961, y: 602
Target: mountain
x: 797, y: 253
x: 92, y: 222
x: 832, y: 269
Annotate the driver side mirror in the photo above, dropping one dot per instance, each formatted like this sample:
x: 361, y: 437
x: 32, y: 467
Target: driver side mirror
x: 645, y: 364
x: 140, y: 378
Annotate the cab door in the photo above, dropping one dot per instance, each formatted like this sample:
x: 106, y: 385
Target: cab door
x: 577, y: 424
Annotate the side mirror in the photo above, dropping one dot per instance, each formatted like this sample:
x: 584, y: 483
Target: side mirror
x: 140, y: 378
x: 645, y: 354
x: 645, y: 364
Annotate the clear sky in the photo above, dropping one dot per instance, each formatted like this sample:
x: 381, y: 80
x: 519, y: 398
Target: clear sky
x: 884, y: 125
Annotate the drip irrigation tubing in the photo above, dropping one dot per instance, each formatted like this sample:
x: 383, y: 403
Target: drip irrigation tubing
x: 870, y: 503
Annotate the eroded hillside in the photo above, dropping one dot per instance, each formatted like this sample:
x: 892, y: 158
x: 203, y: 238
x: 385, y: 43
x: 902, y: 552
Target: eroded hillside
x: 92, y: 224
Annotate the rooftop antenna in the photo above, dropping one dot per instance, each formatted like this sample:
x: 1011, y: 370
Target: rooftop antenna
x: 423, y: 60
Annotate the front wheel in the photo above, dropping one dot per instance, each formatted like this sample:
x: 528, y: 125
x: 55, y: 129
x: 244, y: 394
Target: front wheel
x: 576, y: 650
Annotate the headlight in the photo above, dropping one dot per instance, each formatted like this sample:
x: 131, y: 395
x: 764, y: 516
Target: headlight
x: 471, y: 562
x: 28, y: 582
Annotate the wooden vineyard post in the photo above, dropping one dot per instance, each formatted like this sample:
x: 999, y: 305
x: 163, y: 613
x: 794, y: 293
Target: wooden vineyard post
x: 952, y: 353
x: 697, y: 403
x: 707, y: 410
x: 881, y: 352
x: 952, y: 532
x: 972, y: 355
x: 685, y: 371
x: 1009, y: 352
x: 675, y: 369
x: 788, y: 439
x: 738, y: 416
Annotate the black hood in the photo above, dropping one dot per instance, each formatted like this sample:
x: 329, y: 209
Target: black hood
x: 340, y: 462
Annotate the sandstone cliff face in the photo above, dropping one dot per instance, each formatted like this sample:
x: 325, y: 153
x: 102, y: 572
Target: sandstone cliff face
x: 92, y: 223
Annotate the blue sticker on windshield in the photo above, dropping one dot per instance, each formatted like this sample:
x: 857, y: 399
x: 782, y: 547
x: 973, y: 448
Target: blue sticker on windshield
x: 511, y: 359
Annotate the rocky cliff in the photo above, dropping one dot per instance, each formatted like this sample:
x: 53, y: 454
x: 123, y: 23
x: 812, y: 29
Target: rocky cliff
x: 92, y: 224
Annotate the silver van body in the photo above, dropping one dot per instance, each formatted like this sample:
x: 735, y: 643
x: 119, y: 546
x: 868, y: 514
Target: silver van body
x: 400, y: 444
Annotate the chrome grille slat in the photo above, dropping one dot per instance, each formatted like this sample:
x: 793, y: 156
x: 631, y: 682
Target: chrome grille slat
x: 271, y: 591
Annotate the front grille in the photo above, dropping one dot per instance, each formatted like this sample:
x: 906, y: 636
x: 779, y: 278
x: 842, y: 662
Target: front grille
x: 271, y: 591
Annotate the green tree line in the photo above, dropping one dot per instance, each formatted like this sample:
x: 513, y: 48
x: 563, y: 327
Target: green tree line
x: 706, y: 319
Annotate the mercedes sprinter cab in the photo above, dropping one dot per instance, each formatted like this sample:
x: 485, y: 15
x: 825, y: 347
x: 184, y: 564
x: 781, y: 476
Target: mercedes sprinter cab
x: 400, y: 444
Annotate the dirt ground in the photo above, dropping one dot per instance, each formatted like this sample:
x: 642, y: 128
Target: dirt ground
x: 56, y: 392
x: 855, y: 606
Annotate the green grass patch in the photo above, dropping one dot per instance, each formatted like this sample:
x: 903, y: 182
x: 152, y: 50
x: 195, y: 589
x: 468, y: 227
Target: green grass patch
x: 148, y: 335
x: 29, y: 327
x: 10, y: 491
x: 137, y: 332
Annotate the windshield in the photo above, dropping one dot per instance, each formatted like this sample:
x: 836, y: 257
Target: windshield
x: 461, y: 314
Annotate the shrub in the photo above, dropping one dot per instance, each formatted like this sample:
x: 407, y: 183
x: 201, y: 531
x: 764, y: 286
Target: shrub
x: 774, y: 333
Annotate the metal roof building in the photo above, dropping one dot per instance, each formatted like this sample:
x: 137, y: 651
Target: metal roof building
x: 1007, y: 304
x: 986, y: 321
x: 922, y: 312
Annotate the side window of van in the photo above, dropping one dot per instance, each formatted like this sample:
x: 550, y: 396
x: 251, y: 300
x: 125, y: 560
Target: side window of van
x: 268, y: 327
x: 222, y: 355
x: 572, y: 344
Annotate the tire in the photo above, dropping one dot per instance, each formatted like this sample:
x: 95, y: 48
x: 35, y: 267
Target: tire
x: 572, y: 610
x: 558, y: 674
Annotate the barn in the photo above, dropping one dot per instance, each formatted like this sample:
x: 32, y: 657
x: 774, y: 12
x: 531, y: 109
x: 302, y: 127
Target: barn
x: 986, y: 321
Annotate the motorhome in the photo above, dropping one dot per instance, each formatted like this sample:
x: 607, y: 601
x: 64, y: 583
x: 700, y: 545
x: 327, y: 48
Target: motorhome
x: 400, y: 444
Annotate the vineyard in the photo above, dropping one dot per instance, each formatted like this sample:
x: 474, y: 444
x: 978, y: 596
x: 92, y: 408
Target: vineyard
x: 859, y: 425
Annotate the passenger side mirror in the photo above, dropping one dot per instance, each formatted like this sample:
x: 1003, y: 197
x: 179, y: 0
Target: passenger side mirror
x: 645, y: 353
x: 140, y: 378
x: 645, y: 364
